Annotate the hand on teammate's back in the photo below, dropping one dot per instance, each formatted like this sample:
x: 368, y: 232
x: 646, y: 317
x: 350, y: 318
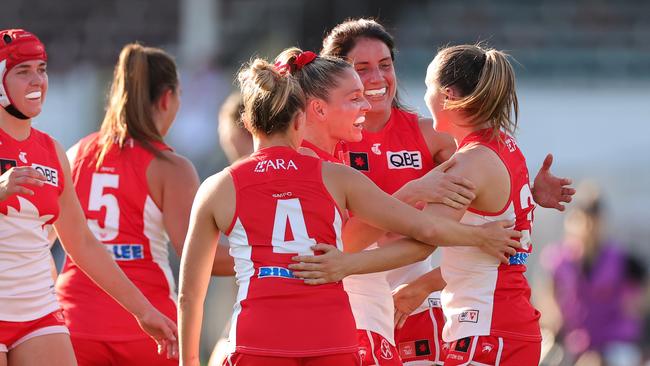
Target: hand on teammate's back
x: 550, y: 191
x: 16, y: 180
x: 498, y: 240
x: 162, y: 329
x: 331, y: 266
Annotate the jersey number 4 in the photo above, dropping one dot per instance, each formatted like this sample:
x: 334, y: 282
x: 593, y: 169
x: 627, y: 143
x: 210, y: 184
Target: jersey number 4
x: 98, y: 199
x: 288, y: 215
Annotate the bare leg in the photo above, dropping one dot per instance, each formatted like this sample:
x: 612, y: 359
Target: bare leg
x: 50, y: 349
x: 3, y: 358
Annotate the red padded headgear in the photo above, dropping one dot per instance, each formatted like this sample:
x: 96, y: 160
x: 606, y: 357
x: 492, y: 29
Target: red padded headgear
x: 17, y: 46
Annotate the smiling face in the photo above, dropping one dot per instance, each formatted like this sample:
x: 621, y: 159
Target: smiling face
x: 26, y: 84
x: 372, y: 61
x: 346, y: 108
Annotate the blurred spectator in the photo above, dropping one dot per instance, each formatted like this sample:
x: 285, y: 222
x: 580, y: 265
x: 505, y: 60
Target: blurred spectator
x: 235, y: 140
x: 598, y: 288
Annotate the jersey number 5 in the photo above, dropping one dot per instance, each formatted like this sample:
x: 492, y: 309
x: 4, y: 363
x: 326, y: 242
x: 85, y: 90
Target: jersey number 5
x: 98, y: 199
x: 289, y: 212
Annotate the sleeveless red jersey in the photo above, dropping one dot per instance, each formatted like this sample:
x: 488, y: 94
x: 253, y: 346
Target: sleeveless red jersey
x: 122, y: 215
x: 282, y: 209
x: 483, y: 296
x: 393, y: 156
x: 26, y: 284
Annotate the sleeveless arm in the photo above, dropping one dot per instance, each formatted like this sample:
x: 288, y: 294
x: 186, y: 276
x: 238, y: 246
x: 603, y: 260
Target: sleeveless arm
x: 215, y: 195
x: 177, y: 183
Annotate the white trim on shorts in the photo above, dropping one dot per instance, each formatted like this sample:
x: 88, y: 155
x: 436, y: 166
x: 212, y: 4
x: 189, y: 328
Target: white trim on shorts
x: 3, y: 348
x: 52, y: 329
x: 372, y: 347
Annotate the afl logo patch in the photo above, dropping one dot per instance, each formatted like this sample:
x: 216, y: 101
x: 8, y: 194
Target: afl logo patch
x: 469, y: 316
x: 51, y: 174
x: 404, y: 159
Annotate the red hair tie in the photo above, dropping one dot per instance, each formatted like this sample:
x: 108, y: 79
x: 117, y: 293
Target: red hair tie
x: 304, y: 58
x: 300, y: 61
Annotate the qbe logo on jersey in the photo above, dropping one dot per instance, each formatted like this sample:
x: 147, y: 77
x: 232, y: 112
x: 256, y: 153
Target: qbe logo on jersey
x: 51, y: 174
x: 404, y: 159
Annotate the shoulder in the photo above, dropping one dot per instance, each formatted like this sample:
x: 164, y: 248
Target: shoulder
x: 441, y: 145
x: 478, y: 163
x: 173, y: 166
x: 216, y: 188
x: 307, y: 152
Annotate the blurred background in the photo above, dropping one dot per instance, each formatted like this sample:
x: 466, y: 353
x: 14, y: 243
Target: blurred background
x: 583, y: 70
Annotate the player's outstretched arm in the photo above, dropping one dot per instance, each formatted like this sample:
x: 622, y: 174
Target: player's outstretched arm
x: 196, y: 262
x: 91, y: 256
x: 550, y: 191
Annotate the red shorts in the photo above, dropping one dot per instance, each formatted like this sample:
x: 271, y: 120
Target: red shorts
x: 343, y: 359
x: 141, y: 352
x: 13, y: 334
x: 421, y: 337
x: 492, y: 351
x: 375, y: 350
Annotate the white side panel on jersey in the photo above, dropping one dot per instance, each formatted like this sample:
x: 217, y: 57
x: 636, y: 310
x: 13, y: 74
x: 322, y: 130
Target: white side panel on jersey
x: 372, y: 302
x: 154, y: 230
x: 338, y: 224
x: 471, y: 276
x: 241, y: 251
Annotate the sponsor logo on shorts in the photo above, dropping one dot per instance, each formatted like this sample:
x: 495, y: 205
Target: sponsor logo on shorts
x: 125, y: 252
x: 362, y: 354
x: 462, y: 345
x: 487, y: 347
x: 51, y: 174
x: 384, y: 347
x: 359, y: 161
x: 412, y: 349
x: 58, y: 315
x: 266, y: 272
x: 468, y: 316
x: 404, y: 159
x: 6, y: 164
x: 422, y: 347
x: 434, y: 302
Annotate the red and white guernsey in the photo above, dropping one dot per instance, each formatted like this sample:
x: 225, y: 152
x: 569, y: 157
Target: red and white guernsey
x: 391, y: 158
x: 483, y: 296
x: 26, y: 283
x: 283, y: 208
x: 122, y: 215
